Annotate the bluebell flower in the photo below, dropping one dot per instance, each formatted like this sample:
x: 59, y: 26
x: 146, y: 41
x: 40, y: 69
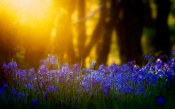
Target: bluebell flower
x: 35, y: 103
x: 173, y: 68
x: 107, y: 82
x: 124, y: 68
x: 147, y: 57
x: 140, y: 89
x: 13, y: 92
x: 76, y: 69
x: 160, y: 101
x: 133, y: 79
x: 161, y: 74
x: 52, y: 59
x: 87, y: 91
x: 92, y: 65
x: 1, y: 92
x: 158, y: 64
x: 172, y: 55
x: 131, y: 64
x: 84, y: 70
x: 119, y: 81
x: 10, y: 67
x: 19, y: 96
x: 170, y: 76
x: 4, y: 86
x: 29, y: 86
x: 127, y: 89
x: 32, y: 70
x: 15, y: 65
x: 85, y: 83
x: 55, y: 74
x: 52, y: 89
x: 64, y: 70
x: 44, y: 94
x: 114, y: 68
x: 97, y: 77
x: 169, y: 63
x: 9, y: 99
x: 23, y: 73
x: 31, y: 75
x: 105, y: 91
x: 5, y: 66
x: 118, y: 87
x: 12, y: 64
x: 102, y: 69
x: 42, y: 69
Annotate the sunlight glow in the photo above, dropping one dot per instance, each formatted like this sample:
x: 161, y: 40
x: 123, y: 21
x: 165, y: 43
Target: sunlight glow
x: 33, y: 18
x: 47, y: 24
x: 53, y: 33
x: 28, y: 10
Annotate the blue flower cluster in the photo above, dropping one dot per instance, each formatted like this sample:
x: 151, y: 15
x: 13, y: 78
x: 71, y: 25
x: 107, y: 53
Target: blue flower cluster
x: 130, y: 78
x: 114, y: 79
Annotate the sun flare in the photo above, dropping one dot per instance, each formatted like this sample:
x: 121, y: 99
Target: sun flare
x: 29, y: 11
x: 33, y: 19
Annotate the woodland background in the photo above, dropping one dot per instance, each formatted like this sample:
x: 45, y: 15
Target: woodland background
x: 82, y: 31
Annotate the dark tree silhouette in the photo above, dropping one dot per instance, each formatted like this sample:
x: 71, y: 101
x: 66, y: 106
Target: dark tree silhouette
x: 64, y: 37
x: 125, y: 17
x: 7, y: 41
x: 129, y: 30
x: 81, y: 28
x: 103, y: 47
x: 148, y: 20
x: 161, y: 41
x: 97, y: 32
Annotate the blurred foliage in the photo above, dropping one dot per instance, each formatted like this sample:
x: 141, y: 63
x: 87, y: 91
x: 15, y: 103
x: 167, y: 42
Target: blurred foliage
x: 29, y: 29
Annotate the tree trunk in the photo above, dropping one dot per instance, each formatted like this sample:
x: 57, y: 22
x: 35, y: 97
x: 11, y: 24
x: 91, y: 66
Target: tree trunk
x: 7, y: 42
x: 129, y: 30
x: 103, y: 48
x: 64, y: 38
x: 81, y: 29
x: 96, y: 35
x: 161, y: 41
x: 148, y: 21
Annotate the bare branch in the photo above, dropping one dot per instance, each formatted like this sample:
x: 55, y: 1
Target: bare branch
x: 89, y: 15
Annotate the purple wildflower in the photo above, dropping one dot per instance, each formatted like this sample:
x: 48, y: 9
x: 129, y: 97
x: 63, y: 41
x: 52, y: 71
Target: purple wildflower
x: 52, y: 59
x: 76, y: 69
x: 29, y: 86
x: 4, y: 86
x: 52, y: 89
x: 147, y: 57
x: 92, y: 65
x: 1, y: 92
x: 44, y: 94
x: 35, y: 103
x: 160, y: 101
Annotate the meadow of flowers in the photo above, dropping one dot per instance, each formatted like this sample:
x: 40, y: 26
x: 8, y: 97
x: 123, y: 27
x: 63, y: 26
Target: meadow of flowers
x: 107, y: 87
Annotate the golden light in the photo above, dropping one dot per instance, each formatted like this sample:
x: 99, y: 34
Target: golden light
x: 34, y: 19
x: 28, y: 10
x: 45, y: 23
